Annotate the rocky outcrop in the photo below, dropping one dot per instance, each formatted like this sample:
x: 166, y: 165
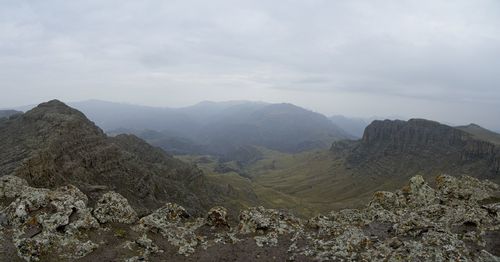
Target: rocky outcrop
x: 54, y: 145
x: 418, y: 145
x: 217, y: 217
x: 112, y: 207
x: 411, y: 134
x: 40, y: 220
x: 458, y: 220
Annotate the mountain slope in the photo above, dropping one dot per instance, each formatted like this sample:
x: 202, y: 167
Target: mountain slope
x: 388, y: 154
x: 348, y: 174
x: 418, y: 145
x: 8, y: 113
x: 53, y: 145
x: 111, y: 116
x: 481, y: 133
x: 283, y: 127
x: 218, y: 128
x: 353, y: 126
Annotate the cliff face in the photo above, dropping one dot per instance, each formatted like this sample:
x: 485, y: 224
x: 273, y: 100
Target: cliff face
x: 420, y: 145
x: 415, y: 134
x: 54, y: 145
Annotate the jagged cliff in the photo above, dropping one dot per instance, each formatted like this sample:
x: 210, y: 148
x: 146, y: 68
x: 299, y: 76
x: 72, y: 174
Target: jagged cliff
x: 459, y: 220
x: 54, y: 145
x: 418, y: 145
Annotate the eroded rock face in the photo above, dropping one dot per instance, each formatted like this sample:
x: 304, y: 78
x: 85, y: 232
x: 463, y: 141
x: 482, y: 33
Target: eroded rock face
x: 408, y: 147
x: 113, y: 207
x: 457, y: 221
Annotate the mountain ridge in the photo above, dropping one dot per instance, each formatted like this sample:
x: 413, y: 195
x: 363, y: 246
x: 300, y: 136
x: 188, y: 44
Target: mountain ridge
x: 54, y: 144
x: 481, y: 133
x: 219, y: 128
x: 429, y: 145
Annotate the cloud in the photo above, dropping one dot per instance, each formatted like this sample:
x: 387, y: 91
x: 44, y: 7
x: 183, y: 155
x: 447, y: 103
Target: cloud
x: 429, y: 53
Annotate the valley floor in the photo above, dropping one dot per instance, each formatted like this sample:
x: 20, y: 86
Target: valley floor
x: 307, y: 183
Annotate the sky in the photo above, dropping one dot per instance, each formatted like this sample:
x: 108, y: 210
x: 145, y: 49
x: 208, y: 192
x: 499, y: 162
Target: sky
x: 431, y: 59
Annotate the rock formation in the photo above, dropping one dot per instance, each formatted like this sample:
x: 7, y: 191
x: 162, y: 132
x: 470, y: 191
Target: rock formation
x: 419, y: 146
x: 458, y: 220
x: 54, y: 145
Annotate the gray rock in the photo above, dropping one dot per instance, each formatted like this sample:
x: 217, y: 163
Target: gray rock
x: 113, y: 207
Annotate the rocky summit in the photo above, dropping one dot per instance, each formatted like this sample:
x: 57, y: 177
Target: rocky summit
x: 458, y: 220
x: 54, y: 145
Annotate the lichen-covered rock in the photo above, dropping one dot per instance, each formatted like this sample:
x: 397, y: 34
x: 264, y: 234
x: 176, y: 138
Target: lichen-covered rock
x: 113, y: 207
x: 419, y: 193
x: 262, y: 220
x: 147, y: 247
x: 269, y: 240
x: 459, y: 221
x: 11, y: 186
x: 347, y: 246
x: 43, y: 219
x: 267, y: 224
x: 386, y: 200
x: 169, y: 222
x: 465, y: 188
x: 217, y: 217
x: 163, y: 217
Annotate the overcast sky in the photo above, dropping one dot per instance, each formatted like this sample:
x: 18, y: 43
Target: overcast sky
x: 432, y: 59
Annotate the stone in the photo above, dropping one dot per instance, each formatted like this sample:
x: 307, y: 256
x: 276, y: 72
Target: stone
x: 217, y: 217
x: 113, y: 207
x: 11, y: 186
x: 416, y: 223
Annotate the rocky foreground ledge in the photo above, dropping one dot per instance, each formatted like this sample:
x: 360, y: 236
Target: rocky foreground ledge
x: 457, y: 221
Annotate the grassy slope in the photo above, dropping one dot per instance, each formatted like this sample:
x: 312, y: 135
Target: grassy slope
x: 246, y: 193
x: 319, y: 180
x: 307, y: 183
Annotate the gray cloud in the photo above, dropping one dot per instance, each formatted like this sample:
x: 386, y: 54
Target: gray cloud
x: 434, y: 59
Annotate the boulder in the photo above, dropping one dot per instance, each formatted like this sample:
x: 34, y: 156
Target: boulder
x: 113, y: 207
x: 217, y: 217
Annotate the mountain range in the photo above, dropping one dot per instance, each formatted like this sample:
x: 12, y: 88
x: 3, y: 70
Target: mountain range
x: 63, y: 180
x: 218, y: 128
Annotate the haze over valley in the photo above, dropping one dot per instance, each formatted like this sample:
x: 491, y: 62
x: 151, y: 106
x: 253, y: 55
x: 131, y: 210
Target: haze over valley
x: 249, y: 131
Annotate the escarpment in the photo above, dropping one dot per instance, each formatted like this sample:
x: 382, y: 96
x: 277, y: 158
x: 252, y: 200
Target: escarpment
x: 418, y: 145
